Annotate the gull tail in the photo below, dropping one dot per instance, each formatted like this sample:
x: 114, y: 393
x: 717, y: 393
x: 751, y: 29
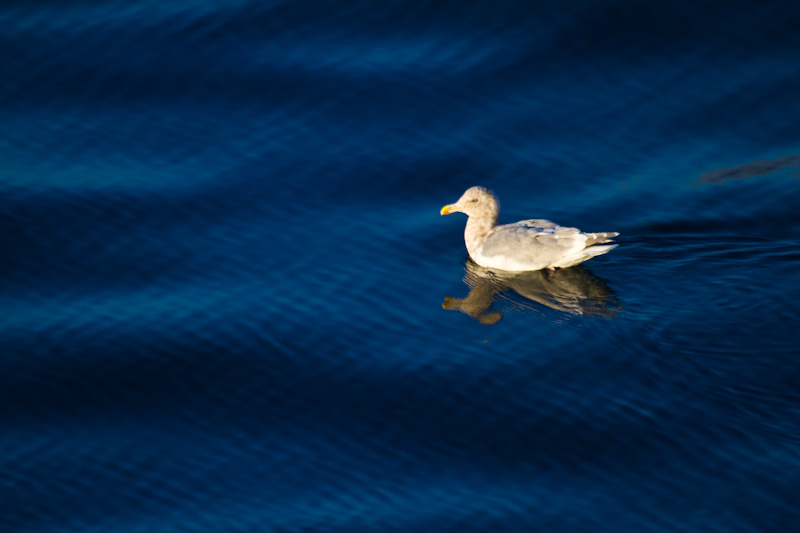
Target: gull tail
x: 600, y: 238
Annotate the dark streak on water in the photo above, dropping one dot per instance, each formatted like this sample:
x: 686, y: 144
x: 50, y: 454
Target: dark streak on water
x: 224, y: 269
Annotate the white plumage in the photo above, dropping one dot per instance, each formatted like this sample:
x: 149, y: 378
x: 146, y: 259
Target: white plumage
x: 522, y: 246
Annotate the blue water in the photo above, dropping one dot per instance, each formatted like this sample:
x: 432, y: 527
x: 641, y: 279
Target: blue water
x: 228, y: 302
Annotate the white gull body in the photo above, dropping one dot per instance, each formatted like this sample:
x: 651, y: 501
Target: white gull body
x: 525, y: 245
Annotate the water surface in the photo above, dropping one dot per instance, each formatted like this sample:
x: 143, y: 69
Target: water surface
x: 229, y: 302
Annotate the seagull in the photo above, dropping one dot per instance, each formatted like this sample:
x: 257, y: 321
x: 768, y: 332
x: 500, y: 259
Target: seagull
x: 522, y: 246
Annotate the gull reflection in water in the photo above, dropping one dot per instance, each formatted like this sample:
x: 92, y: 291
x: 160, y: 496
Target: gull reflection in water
x: 574, y: 290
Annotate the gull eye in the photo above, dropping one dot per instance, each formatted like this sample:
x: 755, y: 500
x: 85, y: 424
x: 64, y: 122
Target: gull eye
x: 474, y: 200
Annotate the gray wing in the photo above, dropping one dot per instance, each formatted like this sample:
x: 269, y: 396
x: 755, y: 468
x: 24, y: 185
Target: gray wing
x: 537, y: 224
x: 534, y: 240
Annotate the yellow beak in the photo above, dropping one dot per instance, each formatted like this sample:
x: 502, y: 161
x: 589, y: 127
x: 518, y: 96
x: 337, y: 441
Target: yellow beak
x: 445, y: 210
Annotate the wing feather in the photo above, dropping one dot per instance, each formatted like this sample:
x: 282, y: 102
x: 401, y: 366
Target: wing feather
x: 533, y: 242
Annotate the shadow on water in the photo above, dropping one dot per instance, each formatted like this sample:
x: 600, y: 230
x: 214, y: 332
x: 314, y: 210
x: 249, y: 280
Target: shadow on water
x: 752, y: 170
x: 575, y: 291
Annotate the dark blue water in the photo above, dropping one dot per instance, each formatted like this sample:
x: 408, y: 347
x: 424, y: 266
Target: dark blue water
x: 229, y: 303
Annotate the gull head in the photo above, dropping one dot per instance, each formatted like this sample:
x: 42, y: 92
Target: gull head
x: 475, y: 202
